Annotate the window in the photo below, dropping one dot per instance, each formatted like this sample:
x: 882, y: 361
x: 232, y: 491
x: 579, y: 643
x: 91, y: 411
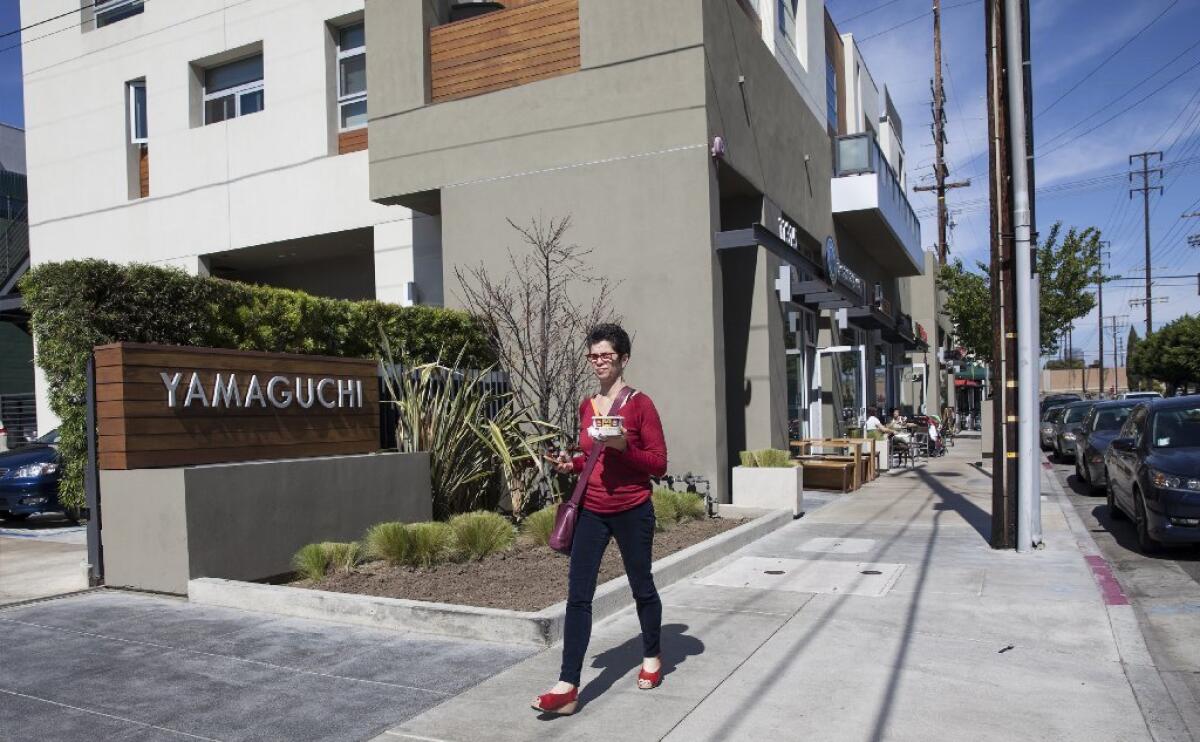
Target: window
x: 786, y: 11
x: 138, y: 129
x: 234, y: 89
x: 352, y: 77
x: 831, y: 94
x: 111, y: 11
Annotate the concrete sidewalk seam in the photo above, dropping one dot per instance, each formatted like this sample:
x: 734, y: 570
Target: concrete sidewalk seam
x: 712, y: 609
x: 217, y: 655
x: 80, y: 709
x: 48, y: 598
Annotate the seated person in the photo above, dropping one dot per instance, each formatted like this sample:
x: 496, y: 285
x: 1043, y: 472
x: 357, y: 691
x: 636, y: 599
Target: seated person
x: 875, y: 425
x: 897, y: 419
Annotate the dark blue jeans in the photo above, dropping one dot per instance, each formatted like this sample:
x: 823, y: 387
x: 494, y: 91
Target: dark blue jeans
x: 634, y: 531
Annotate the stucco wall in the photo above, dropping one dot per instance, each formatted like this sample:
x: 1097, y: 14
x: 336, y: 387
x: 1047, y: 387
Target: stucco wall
x: 244, y: 521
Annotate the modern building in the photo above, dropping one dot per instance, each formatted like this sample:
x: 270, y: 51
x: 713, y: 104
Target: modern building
x: 732, y: 164
x: 223, y: 138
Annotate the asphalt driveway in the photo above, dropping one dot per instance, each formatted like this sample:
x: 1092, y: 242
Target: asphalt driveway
x: 122, y: 666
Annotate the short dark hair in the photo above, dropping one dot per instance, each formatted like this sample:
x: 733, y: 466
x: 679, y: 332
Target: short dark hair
x: 872, y: 411
x: 614, y: 334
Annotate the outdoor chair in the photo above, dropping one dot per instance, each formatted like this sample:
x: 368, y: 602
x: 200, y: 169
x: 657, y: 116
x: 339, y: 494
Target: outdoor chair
x: 920, y: 446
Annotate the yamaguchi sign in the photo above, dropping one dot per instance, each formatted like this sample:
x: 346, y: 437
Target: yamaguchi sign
x: 166, y: 406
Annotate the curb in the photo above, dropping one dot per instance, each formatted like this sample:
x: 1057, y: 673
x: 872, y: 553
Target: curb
x: 541, y: 628
x: 1163, y: 718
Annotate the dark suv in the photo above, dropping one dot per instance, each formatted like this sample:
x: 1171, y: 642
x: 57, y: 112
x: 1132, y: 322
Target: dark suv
x: 1101, y: 426
x: 1153, y: 471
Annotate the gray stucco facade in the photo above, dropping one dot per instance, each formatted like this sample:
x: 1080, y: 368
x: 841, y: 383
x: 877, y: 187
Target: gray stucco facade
x: 623, y: 147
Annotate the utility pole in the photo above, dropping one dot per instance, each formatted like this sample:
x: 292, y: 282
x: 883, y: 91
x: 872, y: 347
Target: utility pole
x: 1112, y: 321
x: 940, y: 169
x: 1146, y: 172
x: 1101, y: 266
x: 1004, y: 318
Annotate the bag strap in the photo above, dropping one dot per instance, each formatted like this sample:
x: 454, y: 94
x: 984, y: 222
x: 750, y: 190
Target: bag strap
x: 586, y: 474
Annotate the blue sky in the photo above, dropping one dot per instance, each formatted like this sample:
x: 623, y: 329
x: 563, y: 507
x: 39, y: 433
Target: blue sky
x: 1070, y: 38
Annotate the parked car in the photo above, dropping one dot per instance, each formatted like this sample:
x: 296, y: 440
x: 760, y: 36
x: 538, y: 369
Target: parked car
x: 1054, y: 400
x: 1141, y: 395
x: 1153, y: 471
x: 1102, y: 424
x: 1050, y: 418
x: 1066, y: 433
x: 29, y: 479
x: 3, y: 437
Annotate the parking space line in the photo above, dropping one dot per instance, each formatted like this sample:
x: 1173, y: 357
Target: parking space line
x: 109, y: 716
x: 245, y: 660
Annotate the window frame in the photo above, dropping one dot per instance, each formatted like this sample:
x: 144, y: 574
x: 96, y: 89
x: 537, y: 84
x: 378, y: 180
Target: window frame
x: 131, y: 87
x: 785, y: 10
x: 103, y: 9
x: 347, y: 99
x: 237, y: 91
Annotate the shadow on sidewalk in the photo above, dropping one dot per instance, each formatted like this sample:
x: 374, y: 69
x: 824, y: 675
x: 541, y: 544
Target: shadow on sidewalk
x: 623, y: 659
x: 977, y: 517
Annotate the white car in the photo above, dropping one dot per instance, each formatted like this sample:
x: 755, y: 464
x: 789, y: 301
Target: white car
x: 1141, y: 395
x: 3, y: 437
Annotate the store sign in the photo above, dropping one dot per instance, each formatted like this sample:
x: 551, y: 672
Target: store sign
x: 165, y: 406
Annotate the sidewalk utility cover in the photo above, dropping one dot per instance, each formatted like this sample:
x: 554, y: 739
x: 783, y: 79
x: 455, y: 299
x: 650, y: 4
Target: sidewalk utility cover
x: 870, y: 579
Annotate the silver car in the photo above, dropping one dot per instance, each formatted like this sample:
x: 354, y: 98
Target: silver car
x: 1049, y: 426
x: 1068, y: 433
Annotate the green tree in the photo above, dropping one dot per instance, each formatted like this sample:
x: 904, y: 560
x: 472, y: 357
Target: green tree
x: 1061, y: 363
x: 1170, y: 355
x: 1066, y: 268
x: 1131, y: 347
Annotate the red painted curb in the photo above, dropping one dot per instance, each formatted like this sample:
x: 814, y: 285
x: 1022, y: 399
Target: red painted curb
x: 1106, y: 581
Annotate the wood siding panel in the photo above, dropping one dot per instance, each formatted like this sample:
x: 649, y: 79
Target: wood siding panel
x: 138, y: 429
x: 533, y: 41
x: 144, y: 171
x: 352, y: 141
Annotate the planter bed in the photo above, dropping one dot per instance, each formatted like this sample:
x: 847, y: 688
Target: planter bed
x: 522, y: 577
x: 525, y: 578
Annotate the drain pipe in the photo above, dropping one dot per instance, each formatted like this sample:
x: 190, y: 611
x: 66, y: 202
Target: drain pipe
x: 1028, y: 334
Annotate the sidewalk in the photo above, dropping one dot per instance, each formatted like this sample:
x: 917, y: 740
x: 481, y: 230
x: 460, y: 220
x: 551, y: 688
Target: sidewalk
x: 882, y: 615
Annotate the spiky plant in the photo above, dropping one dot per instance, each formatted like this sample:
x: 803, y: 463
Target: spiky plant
x: 311, y: 562
x: 478, y: 534
x: 390, y: 541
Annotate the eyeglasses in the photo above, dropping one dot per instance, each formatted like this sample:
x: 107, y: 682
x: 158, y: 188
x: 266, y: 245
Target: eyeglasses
x: 602, y: 357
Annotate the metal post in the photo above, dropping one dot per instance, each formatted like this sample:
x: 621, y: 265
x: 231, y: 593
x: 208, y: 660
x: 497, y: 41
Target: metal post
x: 1029, y: 484
x: 91, y: 483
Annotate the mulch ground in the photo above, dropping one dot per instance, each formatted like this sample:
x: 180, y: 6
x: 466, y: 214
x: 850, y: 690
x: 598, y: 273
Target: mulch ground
x: 525, y: 578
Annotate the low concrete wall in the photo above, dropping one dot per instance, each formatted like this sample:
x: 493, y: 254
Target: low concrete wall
x: 489, y: 624
x: 244, y: 521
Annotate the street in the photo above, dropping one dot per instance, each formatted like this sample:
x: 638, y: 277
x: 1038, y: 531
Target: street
x: 1164, y: 589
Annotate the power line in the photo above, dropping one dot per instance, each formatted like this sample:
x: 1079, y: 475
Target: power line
x: 926, y: 14
x: 867, y: 12
x: 1125, y: 110
x: 1109, y: 58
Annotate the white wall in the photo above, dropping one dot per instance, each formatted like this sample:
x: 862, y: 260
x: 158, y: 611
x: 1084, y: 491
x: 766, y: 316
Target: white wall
x: 269, y: 176
x: 862, y: 94
x: 802, y: 57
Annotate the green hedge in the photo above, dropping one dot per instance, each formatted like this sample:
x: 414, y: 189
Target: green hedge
x: 79, y: 304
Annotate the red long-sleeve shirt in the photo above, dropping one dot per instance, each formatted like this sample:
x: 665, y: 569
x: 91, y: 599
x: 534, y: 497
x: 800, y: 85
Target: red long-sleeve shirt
x: 621, y: 479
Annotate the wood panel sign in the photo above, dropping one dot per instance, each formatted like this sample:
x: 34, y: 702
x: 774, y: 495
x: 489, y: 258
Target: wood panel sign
x: 162, y: 406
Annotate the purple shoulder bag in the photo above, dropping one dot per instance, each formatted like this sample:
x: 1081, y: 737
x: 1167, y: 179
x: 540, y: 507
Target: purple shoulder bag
x: 568, y: 512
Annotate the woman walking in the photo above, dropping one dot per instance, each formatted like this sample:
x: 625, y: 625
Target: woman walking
x: 616, y: 504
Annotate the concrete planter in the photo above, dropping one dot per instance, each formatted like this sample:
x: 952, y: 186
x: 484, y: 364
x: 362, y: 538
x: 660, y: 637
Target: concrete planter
x: 542, y: 628
x: 773, y: 488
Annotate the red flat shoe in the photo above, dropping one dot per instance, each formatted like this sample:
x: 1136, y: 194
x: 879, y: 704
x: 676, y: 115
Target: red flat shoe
x: 649, y: 680
x: 562, y: 704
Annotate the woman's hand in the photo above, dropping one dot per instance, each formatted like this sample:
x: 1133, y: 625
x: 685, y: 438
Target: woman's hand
x: 615, y: 441
x: 562, y: 463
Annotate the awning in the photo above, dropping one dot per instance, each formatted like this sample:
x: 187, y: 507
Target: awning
x: 816, y: 292
x: 870, y: 318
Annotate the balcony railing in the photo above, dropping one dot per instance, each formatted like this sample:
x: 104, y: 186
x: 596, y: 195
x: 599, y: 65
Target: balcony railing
x: 522, y: 44
x: 857, y: 154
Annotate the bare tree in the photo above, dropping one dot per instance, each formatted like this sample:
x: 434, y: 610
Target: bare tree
x: 537, y: 315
